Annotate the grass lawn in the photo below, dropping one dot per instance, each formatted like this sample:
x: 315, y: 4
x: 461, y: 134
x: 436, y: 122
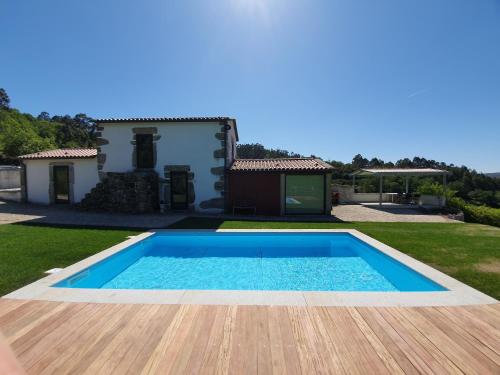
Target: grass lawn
x: 467, y: 252
x: 26, y: 252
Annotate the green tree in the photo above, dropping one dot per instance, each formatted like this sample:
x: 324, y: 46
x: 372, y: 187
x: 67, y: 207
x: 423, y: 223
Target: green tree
x: 4, y: 99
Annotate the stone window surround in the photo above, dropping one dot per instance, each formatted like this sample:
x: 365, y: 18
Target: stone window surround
x: 156, y: 137
x: 71, y: 177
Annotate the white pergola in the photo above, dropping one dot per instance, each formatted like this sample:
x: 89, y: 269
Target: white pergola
x: 403, y: 172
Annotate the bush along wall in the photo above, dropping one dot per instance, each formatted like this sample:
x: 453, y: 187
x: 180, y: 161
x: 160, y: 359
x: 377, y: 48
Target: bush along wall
x: 476, y: 214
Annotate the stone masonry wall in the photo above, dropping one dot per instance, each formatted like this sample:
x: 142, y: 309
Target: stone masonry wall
x: 132, y: 192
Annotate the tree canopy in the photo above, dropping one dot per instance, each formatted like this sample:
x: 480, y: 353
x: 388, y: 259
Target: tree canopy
x: 21, y: 133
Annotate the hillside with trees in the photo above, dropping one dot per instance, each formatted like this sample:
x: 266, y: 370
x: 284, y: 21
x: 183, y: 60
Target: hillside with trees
x: 474, y: 187
x: 22, y: 133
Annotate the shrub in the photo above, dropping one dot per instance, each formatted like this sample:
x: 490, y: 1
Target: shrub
x: 430, y: 188
x: 477, y: 214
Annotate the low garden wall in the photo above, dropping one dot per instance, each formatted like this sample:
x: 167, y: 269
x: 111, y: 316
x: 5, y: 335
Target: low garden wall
x: 10, y: 177
x: 347, y: 195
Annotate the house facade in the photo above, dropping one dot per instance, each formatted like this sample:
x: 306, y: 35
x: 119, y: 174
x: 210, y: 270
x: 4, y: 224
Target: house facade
x: 189, y: 155
x: 160, y: 164
x: 58, y: 176
x: 170, y: 163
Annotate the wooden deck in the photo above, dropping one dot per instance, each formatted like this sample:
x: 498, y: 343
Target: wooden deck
x: 77, y: 338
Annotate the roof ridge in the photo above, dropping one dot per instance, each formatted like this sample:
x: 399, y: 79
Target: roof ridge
x: 164, y: 118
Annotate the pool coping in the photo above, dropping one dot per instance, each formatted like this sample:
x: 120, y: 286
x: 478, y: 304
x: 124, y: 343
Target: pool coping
x: 458, y: 293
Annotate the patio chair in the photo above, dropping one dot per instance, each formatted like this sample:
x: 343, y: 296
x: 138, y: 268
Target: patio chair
x: 247, y: 205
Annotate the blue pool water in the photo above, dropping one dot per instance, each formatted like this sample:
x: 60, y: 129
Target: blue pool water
x: 251, y: 261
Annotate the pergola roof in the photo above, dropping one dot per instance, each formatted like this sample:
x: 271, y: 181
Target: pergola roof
x: 400, y: 172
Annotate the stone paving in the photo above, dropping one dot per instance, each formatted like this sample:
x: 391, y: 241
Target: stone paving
x: 387, y: 213
x: 64, y: 215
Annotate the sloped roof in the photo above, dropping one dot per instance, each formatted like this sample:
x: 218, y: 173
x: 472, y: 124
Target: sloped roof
x: 63, y: 153
x: 169, y: 119
x: 164, y: 119
x: 399, y: 171
x: 280, y: 165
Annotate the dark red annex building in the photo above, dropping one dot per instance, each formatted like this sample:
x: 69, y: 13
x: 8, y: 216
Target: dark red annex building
x: 295, y: 186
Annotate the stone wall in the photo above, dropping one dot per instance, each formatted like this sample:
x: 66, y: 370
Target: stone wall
x: 10, y: 177
x: 132, y: 192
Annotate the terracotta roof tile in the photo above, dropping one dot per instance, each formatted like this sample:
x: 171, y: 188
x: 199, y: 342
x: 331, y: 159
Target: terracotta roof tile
x: 163, y: 119
x: 64, y: 153
x: 291, y: 164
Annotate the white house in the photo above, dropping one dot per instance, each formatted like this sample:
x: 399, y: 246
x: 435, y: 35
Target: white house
x: 189, y: 156
x: 147, y: 164
x: 58, y: 176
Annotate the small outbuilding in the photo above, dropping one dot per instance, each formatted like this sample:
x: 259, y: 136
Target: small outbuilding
x: 294, y: 186
x: 58, y: 176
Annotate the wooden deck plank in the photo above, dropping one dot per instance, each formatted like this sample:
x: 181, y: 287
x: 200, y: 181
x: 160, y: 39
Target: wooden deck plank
x: 355, y: 342
x: 451, y: 342
x: 112, y: 354
x: 243, y: 358
x: 36, y: 312
x: 102, y: 338
x: 401, y: 343
x: 477, y: 328
x: 61, y: 348
x: 7, y: 305
x: 217, y: 354
x: 69, y: 323
x: 316, y: 352
x: 203, y: 346
x: 41, y: 331
x: 164, y: 355
x: 75, y: 338
x: 419, y: 341
x: 18, y: 312
x: 74, y: 346
x: 389, y: 361
x: 485, y: 313
x: 140, y: 352
x: 191, y: 357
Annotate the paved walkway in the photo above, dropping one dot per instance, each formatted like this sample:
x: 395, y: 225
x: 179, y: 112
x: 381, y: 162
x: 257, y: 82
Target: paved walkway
x: 386, y: 213
x: 93, y: 338
x: 38, y: 214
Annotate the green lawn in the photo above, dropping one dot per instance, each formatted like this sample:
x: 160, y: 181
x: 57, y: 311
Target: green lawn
x: 468, y: 252
x: 27, y: 251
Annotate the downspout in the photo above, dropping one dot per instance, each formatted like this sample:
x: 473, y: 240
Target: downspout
x: 226, y: 176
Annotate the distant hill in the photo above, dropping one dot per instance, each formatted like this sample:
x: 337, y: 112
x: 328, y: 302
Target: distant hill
x: 493, y: 175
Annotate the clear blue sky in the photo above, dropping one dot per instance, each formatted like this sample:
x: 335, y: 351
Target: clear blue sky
x: 387, y: 79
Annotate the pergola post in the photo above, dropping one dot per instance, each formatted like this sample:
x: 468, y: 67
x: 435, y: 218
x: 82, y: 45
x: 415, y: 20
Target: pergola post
x: 407, y: 185
x: 380, y: 193
x: 353, y: 183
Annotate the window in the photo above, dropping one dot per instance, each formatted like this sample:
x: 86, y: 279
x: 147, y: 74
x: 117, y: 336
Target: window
x: 144, y: 150
x: 305, y: 194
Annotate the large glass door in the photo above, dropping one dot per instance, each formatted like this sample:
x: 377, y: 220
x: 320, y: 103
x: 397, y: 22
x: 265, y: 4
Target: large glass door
x: 179, y: 190
x: 305, y: 194
x: 61, y: 184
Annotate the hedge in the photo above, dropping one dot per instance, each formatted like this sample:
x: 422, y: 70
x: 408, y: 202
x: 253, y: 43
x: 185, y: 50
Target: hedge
x: 477, y: 214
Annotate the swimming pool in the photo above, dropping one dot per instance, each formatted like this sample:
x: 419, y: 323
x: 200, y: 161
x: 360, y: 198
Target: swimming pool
x: 291, y: 261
